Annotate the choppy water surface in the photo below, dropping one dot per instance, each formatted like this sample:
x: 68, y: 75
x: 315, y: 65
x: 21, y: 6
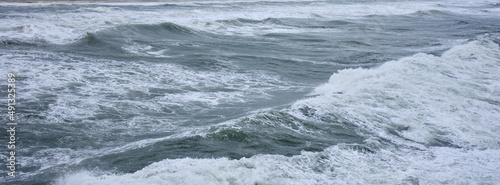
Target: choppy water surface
x: 272, y: 92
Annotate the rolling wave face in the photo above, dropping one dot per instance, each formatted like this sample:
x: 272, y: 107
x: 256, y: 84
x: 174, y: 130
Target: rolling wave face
x: 146, y: 40
x: 421, y: 100
x: 142, y: 32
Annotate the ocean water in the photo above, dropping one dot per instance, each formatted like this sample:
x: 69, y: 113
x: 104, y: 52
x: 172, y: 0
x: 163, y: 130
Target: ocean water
x: 253, y: 92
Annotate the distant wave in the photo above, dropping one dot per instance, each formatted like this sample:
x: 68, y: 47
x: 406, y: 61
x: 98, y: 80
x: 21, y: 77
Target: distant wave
x: 293, y: 22
x: 432, y: 13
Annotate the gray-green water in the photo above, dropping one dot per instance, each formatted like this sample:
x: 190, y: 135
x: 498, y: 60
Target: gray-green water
x: 243, y: 92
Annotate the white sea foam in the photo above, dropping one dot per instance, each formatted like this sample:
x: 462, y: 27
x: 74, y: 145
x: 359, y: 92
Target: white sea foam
x: 335, y: 165
x: 66, y: 27
x: 81, y: 96
x: 453, y: 97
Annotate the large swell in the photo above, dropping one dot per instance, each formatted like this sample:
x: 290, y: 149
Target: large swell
x: 238, y: 92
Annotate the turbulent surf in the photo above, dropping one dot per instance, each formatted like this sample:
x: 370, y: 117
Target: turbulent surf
x: 267, y: 92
